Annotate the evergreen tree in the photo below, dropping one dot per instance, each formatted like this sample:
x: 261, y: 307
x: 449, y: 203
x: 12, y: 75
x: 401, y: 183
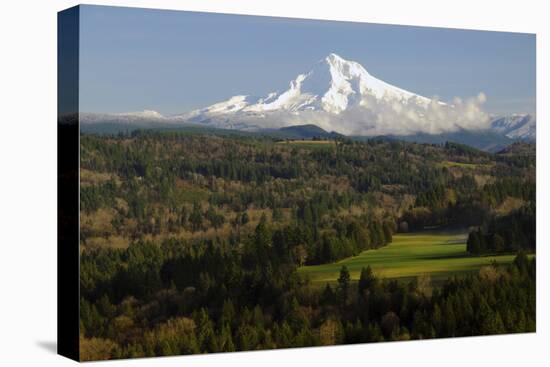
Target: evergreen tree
x: 195, y: 218
x: 344, y: 284
x: 366, y: 280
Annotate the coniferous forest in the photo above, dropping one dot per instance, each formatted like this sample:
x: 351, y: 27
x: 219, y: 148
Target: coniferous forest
x: 196, y: 242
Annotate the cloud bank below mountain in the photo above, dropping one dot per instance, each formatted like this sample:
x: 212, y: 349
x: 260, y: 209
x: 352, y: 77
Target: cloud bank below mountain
x: 377, y: 117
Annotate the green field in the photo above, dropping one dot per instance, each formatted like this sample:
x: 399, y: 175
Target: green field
x: 437, y: 254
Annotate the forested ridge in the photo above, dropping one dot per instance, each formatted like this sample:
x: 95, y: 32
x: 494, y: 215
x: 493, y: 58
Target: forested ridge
x: 190, y: 242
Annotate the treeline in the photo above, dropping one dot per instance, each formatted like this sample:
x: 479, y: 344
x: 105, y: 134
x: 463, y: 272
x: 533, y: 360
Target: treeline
x: 443, y: 206
x: 182, y: 297
x: 325, y: 240
x: 164, y: 183
x: 510, y: 233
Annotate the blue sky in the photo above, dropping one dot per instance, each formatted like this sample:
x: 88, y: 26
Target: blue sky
x: 172, y: 61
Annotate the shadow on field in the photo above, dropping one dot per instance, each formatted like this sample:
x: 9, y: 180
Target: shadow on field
x: 444, y: 257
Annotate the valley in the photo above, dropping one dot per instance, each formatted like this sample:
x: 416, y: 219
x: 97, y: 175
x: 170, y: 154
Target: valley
x: 435, y: 254
x: 201, y: 241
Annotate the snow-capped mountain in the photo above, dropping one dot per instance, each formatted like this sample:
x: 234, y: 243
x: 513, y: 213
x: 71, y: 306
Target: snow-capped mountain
x: 516, y: 126
x: 333, y: 85
x: 333, y: 91
x: 340, y: 96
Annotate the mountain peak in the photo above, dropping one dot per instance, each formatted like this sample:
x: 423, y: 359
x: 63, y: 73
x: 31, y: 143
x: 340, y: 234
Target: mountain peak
x: 332, y: 86
x: 332, y: 57
x: 348, y: 68
x: 335, y: 59
x: 339, y: 95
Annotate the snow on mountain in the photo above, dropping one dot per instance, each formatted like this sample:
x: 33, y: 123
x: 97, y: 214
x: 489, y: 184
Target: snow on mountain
x: 145, y: 114
x: 124, y: 117
x: 342, y: 96
x: 516, y: 126
x: 333, y: 85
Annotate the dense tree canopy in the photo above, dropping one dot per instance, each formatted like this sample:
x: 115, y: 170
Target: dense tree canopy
x: 190, y: 243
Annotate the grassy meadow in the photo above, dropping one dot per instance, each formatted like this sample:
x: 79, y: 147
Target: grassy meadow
x: 437, y: 254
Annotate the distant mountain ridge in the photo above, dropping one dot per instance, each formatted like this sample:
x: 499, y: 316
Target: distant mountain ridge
x: 516, y: 126
x: 308, y: 132
x: 340, y: 96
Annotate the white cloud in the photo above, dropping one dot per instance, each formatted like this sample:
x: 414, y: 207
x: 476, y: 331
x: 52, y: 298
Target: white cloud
x: 374, y: 117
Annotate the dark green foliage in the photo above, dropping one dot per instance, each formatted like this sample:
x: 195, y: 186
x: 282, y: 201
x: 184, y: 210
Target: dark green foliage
x: 217, y: 227
x: 366, y: 280
x: 344, y: 285
x: 146, y: 168
x: 195, y: 218
x: 229, y: 306
x: 510, y: 233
